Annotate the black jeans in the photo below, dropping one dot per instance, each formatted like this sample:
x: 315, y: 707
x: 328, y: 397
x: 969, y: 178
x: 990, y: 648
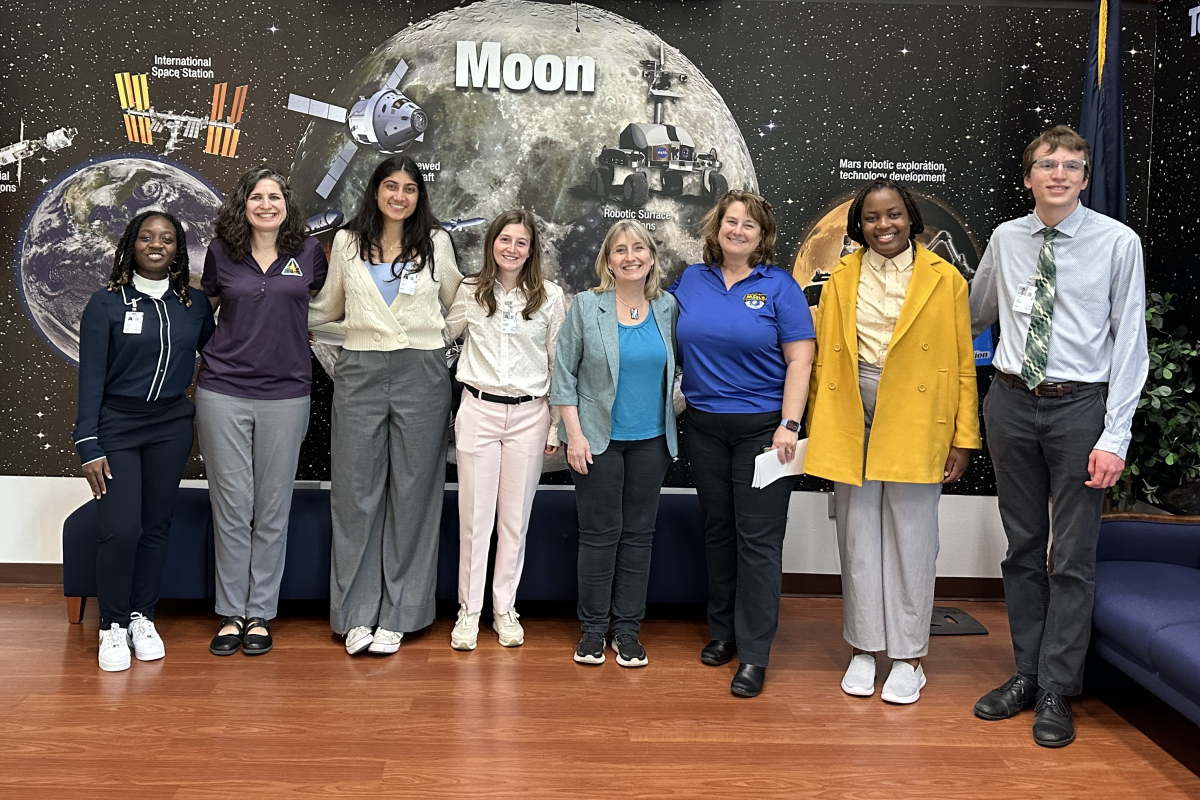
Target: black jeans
x: 743, y: 527
x: 1040, y: 448
x: 147, y: 449
x: 618, y: 506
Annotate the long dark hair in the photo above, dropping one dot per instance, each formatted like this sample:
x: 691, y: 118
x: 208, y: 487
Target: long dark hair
x: 854, y: 215
x: 530, y: 280
x: 233, y: 228
x: 123, y: 263
x: 416, y: 244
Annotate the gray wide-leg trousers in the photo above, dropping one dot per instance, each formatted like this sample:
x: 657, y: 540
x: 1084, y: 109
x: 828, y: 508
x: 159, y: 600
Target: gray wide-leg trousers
x: 391, y: 412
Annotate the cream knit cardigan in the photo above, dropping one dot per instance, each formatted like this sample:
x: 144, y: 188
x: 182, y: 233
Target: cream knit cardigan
x: 349, y: 295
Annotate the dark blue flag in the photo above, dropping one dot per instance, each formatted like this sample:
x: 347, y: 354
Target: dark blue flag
x: 1102, y: 122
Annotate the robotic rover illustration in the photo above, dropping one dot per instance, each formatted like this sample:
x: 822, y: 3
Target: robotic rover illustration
x: 24, y: 148
x: 142, y: 120
x: 656, y: 156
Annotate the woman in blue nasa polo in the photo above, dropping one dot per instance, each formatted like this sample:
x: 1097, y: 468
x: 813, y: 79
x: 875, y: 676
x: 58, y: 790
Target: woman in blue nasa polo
x: 746, y: 344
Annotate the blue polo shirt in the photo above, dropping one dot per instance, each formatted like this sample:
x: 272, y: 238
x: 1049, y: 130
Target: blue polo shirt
x: 730, y: 340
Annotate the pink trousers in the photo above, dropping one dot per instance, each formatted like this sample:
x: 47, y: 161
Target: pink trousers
x: 500, y: 449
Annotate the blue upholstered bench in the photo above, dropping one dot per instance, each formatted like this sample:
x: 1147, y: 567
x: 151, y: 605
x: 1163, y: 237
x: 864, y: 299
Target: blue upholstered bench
x: 677, y: 568
x: 1146, y: 621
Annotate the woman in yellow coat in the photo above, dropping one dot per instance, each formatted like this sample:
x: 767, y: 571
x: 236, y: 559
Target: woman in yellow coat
x: 892, y: 412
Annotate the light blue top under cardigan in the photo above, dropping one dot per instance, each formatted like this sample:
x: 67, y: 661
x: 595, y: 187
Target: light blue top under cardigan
x: 637, y: 413
x: 587, y: 364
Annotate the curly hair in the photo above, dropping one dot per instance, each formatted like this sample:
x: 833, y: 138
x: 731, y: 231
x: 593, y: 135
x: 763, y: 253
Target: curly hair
x: 233, y: 228
x: 123, y: 262
x: 854, y: 216
x: 530, y: 280
x: 416, y: 245
x: 760, y: 211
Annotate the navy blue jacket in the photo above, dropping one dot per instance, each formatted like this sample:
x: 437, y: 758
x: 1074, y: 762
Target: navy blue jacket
x: 154, y: 365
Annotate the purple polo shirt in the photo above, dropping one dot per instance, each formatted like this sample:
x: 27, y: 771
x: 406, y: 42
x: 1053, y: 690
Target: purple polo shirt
x: 260, y: 348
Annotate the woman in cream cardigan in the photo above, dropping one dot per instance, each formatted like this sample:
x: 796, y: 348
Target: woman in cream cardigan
x: 391, y: 271
x: 892, y: 413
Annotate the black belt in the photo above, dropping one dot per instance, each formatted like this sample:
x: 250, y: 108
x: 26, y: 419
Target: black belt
x: 1047, y: 388
x: 498, y: 398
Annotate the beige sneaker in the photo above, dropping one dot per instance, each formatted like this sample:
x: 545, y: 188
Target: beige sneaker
x: 510, y: 631
x: 358, y: 639
x: 466, y: 631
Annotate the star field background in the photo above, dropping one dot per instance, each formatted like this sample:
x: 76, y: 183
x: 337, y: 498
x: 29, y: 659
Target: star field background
x: 810, y: 83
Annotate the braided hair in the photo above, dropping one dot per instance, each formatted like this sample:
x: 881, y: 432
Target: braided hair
x: 123, y: 262
x: 854, y: 216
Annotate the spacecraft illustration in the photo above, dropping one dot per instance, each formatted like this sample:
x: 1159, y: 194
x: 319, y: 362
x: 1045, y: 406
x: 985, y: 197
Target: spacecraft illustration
x: 657, y: 156
x: 24, y: 148
x: 142, y: 120
x: 388, y: 121
x: 331, y: 219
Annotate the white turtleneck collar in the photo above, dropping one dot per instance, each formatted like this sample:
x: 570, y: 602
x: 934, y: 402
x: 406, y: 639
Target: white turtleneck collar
x: 151, y: 288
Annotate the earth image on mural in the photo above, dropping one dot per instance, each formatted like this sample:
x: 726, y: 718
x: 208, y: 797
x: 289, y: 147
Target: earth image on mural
x: 66, y: 248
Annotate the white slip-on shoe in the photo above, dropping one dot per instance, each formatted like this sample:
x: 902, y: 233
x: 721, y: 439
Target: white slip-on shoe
x: 466, y: 630
x: 385, y: 642
x: 860, y: 676
x: 114, y: 649
x: 358, y: 639
x: 904, y: 685
x: 508, y: 629
x: 144, y: 639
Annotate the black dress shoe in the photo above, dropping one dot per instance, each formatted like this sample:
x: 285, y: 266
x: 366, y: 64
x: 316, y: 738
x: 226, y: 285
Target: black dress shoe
x: 227, y: 644
x: 748, y: 681
x: 1053, y: 726
x: 717, y: 652
x: 1017, y: 694
x: 255, y: 644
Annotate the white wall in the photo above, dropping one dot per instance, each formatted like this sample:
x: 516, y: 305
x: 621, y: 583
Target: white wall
x: 32, y: 510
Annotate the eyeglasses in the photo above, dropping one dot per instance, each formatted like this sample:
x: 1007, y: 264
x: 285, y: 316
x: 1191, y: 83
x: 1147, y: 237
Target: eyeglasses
x: 1074, y: 166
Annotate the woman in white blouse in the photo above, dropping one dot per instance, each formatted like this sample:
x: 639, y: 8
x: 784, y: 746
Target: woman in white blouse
x: 391, y: 271
x: 511, y: 317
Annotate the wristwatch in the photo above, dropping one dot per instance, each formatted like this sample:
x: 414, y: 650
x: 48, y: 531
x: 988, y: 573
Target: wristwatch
x: 791, y: 424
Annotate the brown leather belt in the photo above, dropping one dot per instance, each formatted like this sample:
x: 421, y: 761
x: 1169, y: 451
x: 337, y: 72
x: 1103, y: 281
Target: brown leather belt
x: 1046, y: 388
x: 498, y: 398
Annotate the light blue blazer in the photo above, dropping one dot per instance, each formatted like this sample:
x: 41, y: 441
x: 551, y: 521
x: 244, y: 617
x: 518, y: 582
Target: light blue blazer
x: 588, y: 360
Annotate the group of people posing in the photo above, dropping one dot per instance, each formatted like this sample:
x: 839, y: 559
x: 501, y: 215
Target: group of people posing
x: 883, y: 371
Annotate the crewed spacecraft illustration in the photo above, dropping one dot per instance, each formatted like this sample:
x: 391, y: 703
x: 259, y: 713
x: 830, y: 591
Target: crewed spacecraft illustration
x: 142, y: 120
x: 331, y: 219
x: 657, y: 156
x: 23, y: 148
x: 387, y: 120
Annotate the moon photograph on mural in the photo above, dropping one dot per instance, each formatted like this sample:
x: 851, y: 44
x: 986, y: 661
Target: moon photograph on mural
x: 70, y: 236
x: 485, y: 150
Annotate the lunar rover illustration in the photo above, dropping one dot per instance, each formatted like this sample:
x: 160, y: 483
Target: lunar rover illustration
x: 656, y: 156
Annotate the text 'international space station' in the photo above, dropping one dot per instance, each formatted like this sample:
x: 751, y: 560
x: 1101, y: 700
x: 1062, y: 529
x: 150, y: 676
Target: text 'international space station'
x: 142, y: 120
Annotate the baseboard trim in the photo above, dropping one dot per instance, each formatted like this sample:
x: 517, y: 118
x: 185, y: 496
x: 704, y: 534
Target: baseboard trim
x: 819, y: 585
x: 31, y: 574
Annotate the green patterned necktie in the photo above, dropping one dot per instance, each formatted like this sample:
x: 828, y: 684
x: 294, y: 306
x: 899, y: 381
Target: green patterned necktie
x: 1037, y: 342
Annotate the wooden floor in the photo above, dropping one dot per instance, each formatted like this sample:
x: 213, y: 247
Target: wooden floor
x: 430, y: 722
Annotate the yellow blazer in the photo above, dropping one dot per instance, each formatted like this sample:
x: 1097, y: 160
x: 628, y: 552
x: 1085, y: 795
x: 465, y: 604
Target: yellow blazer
x: 927, y: 397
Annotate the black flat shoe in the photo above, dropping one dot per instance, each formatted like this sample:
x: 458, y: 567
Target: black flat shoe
x: 1053, y: 726
x: 748, y: 681
x: 1007, y: 700
x: 229, y: 643
x: 255, y: 644
x: 717, y: 652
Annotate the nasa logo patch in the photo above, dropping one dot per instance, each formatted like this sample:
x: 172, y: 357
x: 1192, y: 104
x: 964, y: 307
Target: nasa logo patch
x: 661, y: 153
x: 292, y: 268
x: 755, y: 300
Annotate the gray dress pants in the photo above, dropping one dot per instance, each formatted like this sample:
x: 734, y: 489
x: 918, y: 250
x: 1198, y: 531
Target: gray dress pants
x: 250, y: 450
x: 391, y: 412
x: 888, y: 541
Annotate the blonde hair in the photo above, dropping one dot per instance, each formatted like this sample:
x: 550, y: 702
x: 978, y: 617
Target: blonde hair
x: 654, y: 279
x: 758, y: 209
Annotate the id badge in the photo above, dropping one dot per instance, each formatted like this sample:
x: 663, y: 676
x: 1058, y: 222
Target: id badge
x: 1023, y: 302
x: 408, y: 281
x: 508, y: 322
x: 133, y: 322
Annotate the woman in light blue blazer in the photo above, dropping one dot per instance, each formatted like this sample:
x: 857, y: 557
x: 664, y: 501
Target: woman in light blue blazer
x: 613, y: 377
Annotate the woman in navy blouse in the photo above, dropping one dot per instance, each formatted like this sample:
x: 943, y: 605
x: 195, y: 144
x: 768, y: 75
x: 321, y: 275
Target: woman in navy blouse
x: 137, y: 349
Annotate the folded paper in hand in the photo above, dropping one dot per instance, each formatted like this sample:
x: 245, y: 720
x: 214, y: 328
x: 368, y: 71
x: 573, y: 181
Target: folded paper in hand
x: 767, y: 468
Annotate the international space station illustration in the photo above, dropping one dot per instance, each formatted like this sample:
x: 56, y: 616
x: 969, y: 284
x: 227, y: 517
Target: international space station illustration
x: 142, y: 120
x: 23, y: 148
x: 388, y: 121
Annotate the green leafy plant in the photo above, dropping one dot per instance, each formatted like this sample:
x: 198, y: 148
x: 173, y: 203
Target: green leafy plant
x: 1164, y: 453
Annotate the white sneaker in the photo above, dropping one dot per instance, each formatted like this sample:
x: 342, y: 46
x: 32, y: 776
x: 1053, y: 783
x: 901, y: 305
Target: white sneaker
x: 904, y: 685
x: 385, y: 642
x: 144, y: 639
x: 510, y: 631
x: 114, y: 649
x: 466, y: 631
x: 860, y: 676
x: 358, y: 639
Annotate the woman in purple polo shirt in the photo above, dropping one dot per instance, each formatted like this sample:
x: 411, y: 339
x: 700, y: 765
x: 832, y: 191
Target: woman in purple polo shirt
x: 252, y: 396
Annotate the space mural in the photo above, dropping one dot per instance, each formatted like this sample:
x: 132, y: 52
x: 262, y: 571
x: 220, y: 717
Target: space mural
x: 582, y: 114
